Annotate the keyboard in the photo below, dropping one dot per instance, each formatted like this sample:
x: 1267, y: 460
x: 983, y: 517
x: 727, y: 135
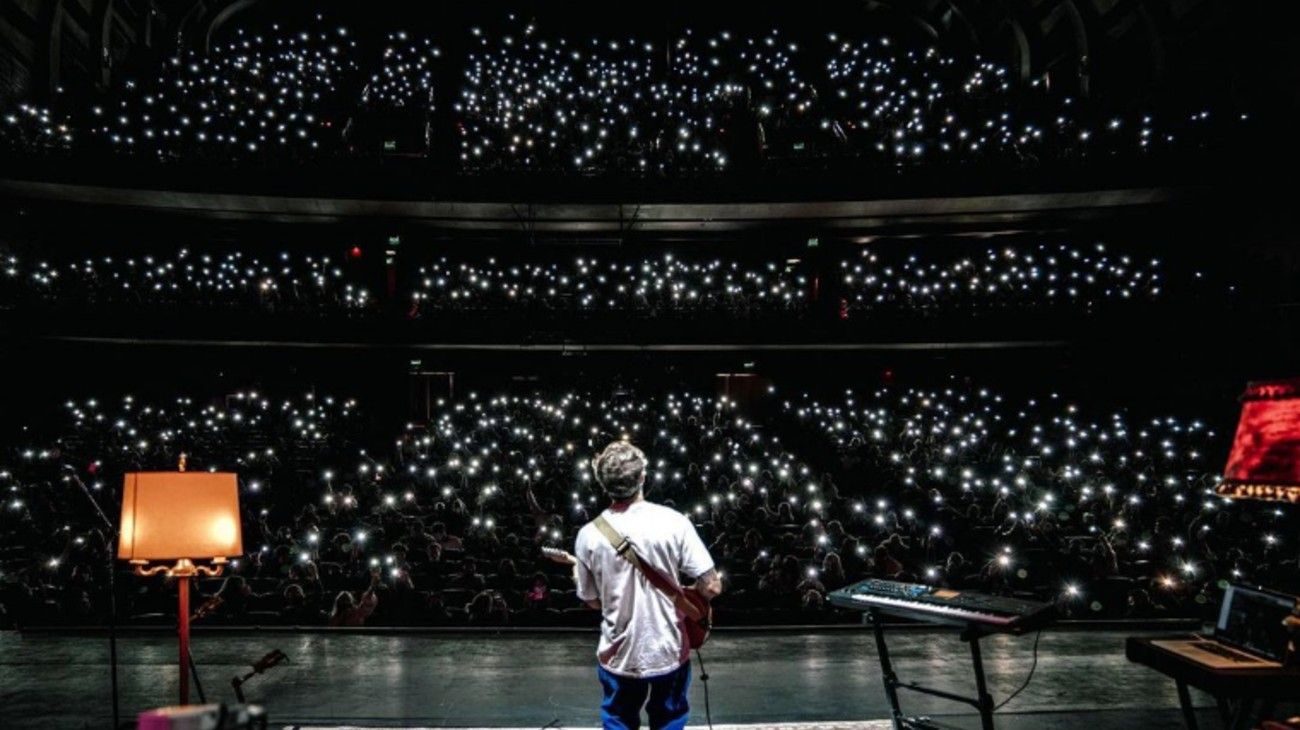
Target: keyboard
x: 942, y: 605
x: 1217, y: 649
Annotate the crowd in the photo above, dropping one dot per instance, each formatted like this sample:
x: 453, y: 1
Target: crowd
x: 880, y: 280
x: 548, y: 104
x: 982, y: 277
x: 1107, y: 514
x: 542, y: 102
x: 658, y: 285
x: 188, y: 278
x: 910, y: 103
x: 539, y: 103
x: 257, y: 95
x: 524, y: 98
x: 745, y: 95
x: 1110, y: 514
x: 404, y: 79
x: 30, y: 127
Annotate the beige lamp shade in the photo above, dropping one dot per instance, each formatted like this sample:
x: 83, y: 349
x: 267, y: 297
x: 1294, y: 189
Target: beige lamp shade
x: 170, y: 515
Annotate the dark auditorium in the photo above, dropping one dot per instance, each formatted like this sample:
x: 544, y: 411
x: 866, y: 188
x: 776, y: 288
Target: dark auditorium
x: 561, y: 365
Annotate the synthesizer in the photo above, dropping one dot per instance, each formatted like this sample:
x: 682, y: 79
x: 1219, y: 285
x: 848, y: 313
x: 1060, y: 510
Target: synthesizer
x: 943, y: 605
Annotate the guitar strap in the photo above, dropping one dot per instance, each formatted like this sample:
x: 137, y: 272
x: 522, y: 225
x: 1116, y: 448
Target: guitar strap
x: 624, y: 548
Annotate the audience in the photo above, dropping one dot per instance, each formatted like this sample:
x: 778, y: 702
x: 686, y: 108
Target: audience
x: 973, y: 278
x: 257, y: 96
x: 541, y: 102
x: 189, y: 278
x: 32, y: 128
x: 404, y: 79
x: 527, y: 98
x: 653, y: 285
x: 882, y: 281
x: 1108, y: 514
x: 350, y: 611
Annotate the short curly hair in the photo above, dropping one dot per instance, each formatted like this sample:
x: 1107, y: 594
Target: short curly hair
x: 620, y: 469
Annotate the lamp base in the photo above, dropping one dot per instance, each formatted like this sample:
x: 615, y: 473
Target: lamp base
x: 182, y: 571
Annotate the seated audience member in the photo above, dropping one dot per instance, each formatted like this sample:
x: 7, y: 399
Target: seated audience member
x: 348, y: 611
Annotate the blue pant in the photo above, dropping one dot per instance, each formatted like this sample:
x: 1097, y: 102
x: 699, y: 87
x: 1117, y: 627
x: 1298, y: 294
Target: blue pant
x: 624, y: 696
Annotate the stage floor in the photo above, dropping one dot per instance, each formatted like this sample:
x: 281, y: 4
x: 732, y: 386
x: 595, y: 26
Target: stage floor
x: 529, y: 680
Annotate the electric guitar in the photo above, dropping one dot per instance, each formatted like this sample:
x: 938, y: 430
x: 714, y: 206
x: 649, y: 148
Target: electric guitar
x: 697, y: 614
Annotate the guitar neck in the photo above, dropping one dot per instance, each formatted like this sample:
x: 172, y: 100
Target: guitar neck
x: 559, y: 555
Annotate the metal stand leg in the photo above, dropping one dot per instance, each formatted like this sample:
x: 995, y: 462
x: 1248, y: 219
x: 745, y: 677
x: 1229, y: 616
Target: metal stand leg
x: 1185, y: 701
x: 887, y: 673
x: 1241, y: 717
x: 194, y: 672
x: 985, y: 700
x: 982, y: 702
x: 112, y: 636
x: 111, y: 534
x: 886, y: 670
x: 1225, y: 710
x: 1266, y: 709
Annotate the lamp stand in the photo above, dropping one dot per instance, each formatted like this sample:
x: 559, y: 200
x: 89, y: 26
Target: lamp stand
x: 182, y: 571
x: 183, y: 631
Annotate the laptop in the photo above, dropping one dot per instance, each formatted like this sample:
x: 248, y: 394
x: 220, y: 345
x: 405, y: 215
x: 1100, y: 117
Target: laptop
x: 1248, y: 635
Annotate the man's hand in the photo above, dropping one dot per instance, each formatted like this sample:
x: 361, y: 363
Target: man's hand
x: 709, y: 585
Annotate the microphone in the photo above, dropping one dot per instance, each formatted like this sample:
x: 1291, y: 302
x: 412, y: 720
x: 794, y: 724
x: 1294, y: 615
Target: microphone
x: 274, y: 657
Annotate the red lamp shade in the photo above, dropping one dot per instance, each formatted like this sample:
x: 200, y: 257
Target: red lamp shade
x: 1265, y: 459
x: 170, y: 515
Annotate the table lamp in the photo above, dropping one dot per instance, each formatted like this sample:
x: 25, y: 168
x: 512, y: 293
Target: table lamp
x: 1264, y: 462
x: 172, y: 519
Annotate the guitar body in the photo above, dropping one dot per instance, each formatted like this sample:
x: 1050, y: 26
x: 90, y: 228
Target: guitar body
x: 697, y: 614
x: 697, y: 617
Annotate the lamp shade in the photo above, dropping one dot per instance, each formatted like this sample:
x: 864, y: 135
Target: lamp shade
x: 170, y: 515
x: 1265, y: 459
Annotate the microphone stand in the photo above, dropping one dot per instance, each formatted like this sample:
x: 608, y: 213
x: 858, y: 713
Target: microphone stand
x: 112, y: 591
x: 194, y: 673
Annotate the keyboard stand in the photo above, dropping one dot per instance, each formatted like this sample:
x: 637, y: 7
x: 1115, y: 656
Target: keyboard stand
x: 1238, y: 693
x: 983, y: 702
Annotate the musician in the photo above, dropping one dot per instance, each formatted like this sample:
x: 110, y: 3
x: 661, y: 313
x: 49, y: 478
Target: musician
x: 643, y: 658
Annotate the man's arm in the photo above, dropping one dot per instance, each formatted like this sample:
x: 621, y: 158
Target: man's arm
x: 595, y: 603
x: 586, y: 583
x: 709, y: 585
x: 696, y: 561
x: 580, y: 576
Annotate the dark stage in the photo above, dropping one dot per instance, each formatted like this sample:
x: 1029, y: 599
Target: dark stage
x: 502, y: 679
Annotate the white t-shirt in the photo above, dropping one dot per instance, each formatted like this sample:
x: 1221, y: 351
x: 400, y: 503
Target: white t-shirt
x: 641, y: 633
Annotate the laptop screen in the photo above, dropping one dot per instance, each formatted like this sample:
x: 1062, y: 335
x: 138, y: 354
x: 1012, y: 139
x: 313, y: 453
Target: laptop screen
x: 1252, y: 620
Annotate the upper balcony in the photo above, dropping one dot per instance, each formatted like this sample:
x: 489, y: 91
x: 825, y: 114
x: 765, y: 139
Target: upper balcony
x: 565, y: 105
